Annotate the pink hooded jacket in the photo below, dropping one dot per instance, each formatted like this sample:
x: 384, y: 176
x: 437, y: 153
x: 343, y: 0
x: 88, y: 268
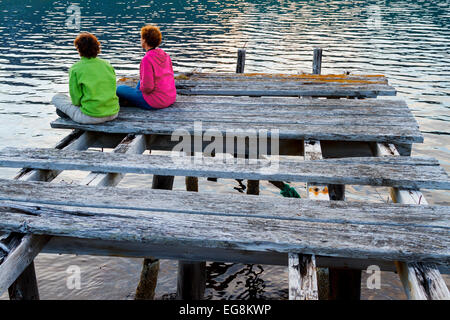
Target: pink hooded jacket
x: 157, y: 79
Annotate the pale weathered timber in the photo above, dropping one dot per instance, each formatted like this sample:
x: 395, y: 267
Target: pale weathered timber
x: 317, y: 61
x: 24, y: 286
x: 391, y: 134
x: 129, y: 145
x: 387, y: 241
x: 374, y: 118
x: 211, y: 204
x: 18, y: 260
x: 145, y: 289
x: 420, y: 281
x: 191, y: 279
x: 302, y: 277
x: 407, y: 172
x: 67, y: 245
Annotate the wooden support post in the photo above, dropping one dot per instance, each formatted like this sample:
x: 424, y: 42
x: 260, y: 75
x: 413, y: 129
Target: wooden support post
x: 345, y: 284
x: 191, y: 282
x: 317, y: 61
x: 25, y: 286
x: 240, y: 61
x: 420, y: 281
x: 313, y: 151
x: 302, y: 277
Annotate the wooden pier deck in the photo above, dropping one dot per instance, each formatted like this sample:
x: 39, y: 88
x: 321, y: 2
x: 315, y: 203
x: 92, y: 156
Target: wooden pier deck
x: 348, y: 137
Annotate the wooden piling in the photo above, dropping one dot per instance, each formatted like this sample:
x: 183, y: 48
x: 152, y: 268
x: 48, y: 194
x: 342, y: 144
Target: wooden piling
x: 317, y: 61
x: 25, y: 287
x: 191, y: 281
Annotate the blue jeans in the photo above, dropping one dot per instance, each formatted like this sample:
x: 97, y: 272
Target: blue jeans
x: 132, y: 97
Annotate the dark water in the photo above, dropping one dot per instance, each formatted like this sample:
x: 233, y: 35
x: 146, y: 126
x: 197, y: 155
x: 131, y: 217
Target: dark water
x: 408, y: 41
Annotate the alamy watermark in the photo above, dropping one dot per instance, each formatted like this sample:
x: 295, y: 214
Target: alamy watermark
x: 73, y: 21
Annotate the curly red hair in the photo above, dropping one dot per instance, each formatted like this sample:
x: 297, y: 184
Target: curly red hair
x: 87, y: 45
x: 152, y: 35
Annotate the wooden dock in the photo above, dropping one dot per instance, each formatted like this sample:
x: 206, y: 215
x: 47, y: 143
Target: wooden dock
x: 334, y: 127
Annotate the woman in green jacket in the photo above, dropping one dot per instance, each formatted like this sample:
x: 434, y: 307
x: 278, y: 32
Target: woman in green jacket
x: 92, y: 86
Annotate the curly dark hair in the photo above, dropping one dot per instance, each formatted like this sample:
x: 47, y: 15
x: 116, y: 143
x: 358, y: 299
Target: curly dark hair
x: 152, y: 35
x: 87, y: 45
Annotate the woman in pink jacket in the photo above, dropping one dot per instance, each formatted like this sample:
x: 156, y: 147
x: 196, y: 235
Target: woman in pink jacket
x: 156, y: 86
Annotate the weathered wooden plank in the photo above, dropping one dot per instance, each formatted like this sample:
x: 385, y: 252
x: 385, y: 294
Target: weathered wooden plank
x: 399, y: 171
x: 391, y: 134
x: 129, y: 145
x: 313, y: 152
x: 387, y: 241
x: 317, y: 61
x: 302, y: 277
x: 283, y: 77
x: 420, y: 281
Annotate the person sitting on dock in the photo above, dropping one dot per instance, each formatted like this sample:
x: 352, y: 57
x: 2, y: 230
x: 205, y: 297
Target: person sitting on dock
x: 156, y: 86
x: 92, y: 86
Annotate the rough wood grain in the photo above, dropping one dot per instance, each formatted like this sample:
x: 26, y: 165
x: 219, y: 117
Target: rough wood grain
x: 302, y: 277
x: 408, y: 172
x: 420, y: 281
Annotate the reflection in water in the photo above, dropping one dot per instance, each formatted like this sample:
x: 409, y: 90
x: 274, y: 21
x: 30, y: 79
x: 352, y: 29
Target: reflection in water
x: 408, y: 41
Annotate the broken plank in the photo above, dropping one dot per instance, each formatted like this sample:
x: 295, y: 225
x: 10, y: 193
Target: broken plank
x: 391, y: 134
